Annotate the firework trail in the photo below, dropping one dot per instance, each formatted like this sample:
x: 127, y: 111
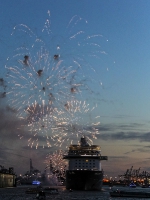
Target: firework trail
x: 50, y: 83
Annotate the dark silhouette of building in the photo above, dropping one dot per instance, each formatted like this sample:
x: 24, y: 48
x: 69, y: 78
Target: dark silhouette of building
x: 7, y: 177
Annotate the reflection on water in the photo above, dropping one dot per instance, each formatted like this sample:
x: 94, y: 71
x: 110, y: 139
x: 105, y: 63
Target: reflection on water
x: 19, y: 194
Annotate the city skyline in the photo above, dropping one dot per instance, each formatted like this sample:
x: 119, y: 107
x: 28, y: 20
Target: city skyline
x: 114, y: 76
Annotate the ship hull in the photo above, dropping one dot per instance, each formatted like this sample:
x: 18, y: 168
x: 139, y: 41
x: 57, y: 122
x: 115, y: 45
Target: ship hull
x: 84, y: 180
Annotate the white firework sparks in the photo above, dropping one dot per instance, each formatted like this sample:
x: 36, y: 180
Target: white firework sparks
x: 51, y: 85
x: 56, y: 164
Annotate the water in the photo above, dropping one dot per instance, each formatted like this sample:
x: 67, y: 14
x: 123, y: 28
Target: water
x: 19, y: 194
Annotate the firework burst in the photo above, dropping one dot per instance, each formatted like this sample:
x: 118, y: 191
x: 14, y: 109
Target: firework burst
x: 51, y: 83
x: 56, y: 164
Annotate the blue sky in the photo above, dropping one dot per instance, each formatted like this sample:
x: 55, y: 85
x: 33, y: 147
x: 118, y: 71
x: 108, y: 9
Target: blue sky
x: 123, y: 99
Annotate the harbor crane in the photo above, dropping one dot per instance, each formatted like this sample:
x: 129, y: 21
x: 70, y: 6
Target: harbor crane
x: 134, y: 174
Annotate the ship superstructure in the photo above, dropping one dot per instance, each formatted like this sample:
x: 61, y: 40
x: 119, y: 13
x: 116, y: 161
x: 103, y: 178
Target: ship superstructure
x: 84, y: 167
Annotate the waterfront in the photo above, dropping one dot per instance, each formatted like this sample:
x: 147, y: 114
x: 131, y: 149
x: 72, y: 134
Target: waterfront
x: 18, y: 193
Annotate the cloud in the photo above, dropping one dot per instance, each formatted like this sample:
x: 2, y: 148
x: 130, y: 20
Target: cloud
x: 124, y: 136
x: 142, y: 149
x: 122, y: 132
x: 117, y: 157
x: 14, y: 152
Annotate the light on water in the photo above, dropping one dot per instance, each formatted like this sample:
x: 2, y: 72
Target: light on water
x: 19, y: 193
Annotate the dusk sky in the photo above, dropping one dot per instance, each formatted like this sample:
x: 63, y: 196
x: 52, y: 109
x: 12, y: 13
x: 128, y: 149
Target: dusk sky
x: 103, y: 48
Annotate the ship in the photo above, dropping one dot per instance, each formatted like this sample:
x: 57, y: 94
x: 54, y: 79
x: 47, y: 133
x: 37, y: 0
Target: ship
x: 84, y: 166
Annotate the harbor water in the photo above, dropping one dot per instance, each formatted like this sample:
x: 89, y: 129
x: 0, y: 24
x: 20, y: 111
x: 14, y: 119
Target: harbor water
x: 18, y: 193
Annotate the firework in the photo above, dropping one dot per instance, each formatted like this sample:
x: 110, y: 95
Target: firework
x: 56, y: 164
x: 51, y: 84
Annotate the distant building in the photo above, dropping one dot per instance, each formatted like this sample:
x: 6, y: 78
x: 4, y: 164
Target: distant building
x: 7, y: 177
x: 32, y: 175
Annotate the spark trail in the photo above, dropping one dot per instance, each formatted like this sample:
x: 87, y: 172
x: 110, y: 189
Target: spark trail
x: 51, y: 84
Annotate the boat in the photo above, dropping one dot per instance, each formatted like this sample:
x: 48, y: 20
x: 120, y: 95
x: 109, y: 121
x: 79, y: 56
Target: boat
x: 133, y: 193
x: 132, y: 185
x: 84, y: 167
